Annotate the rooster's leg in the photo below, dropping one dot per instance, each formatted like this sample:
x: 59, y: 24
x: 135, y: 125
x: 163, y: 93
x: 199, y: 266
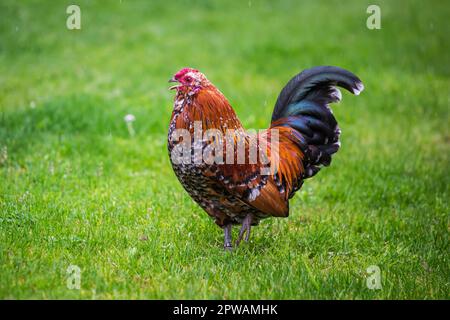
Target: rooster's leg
x: 227, y: 232
x: 246, y: 226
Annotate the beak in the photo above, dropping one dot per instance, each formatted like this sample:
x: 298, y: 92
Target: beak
x: 173, y: 80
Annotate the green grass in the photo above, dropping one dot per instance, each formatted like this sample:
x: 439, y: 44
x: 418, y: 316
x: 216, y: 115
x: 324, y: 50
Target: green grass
x: 77, y: 189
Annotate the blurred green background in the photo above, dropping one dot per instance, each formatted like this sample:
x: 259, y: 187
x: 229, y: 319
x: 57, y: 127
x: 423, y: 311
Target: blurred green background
x: 77, y: 189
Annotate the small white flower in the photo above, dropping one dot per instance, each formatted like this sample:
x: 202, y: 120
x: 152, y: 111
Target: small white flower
x: 129, y: 118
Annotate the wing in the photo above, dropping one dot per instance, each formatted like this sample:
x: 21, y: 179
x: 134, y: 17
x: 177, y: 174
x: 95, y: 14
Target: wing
x: 264, y: 182
x: 261, y: 170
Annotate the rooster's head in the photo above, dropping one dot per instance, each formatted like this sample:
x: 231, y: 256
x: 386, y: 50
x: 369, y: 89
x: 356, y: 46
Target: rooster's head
x: 189, y: 80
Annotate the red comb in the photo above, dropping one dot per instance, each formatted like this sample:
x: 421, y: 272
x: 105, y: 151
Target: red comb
x: 183, y: 71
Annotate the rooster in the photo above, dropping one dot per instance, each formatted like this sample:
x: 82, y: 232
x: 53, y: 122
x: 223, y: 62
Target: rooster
x: 244, y: 193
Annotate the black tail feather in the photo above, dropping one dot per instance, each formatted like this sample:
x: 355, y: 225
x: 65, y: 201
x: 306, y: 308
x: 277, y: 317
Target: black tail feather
x: 303, y: 105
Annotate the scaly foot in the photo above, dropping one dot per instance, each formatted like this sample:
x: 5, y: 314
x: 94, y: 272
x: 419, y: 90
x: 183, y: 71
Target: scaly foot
x: 246, y: 226
x: 227, y: 245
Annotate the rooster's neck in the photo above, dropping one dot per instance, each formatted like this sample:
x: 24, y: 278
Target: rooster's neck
x: 208, y: 106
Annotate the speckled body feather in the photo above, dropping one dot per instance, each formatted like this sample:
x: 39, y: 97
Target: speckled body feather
x: 209, y: 185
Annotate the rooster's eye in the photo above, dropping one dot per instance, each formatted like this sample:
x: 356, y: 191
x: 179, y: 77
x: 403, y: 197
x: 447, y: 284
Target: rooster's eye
x: 188, y: 79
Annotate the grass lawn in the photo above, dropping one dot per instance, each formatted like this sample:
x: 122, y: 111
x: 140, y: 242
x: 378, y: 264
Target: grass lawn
x: 77, y: 189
